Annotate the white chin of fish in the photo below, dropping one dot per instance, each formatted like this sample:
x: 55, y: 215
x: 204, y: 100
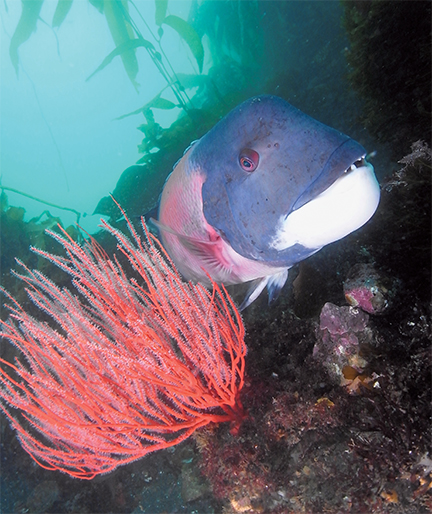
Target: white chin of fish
x: 339, y: 210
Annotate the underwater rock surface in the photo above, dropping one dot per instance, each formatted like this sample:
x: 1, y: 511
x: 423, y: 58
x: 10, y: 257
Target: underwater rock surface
x: 390, y: 67
x: 368, y: 289
x: 342, y: 333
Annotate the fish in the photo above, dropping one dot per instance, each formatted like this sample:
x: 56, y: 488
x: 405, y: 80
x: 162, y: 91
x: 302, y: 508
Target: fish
x: 265, y: 188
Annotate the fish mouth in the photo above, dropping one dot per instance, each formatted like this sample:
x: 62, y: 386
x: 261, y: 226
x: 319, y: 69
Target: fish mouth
x: 346, y: 205
x: 357, y: 164
x: 344, y: 159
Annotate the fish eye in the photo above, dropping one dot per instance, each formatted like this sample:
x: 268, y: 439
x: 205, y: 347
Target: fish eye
x: 248, y: 159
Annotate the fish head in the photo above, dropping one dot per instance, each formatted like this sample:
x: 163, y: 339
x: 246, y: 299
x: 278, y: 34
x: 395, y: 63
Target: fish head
x: 279, y: 185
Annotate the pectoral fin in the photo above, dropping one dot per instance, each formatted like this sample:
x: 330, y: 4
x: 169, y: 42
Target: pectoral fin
x: 208, y: 252
x: 274, y: 285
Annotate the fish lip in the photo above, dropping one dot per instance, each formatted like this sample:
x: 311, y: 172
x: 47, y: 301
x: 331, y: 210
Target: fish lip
x: 350, y: 151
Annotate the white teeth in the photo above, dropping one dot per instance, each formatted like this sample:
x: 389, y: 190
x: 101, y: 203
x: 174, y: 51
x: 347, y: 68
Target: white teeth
x: 353, y: 166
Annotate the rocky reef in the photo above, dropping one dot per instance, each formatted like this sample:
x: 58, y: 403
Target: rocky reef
x: 390, y: 67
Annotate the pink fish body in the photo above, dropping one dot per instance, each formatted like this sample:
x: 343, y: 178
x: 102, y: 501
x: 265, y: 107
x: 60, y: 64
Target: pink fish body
x: 194, y: 245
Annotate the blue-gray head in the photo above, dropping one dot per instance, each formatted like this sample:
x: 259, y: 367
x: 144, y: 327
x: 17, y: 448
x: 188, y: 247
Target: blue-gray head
x: 265, y: 188
x: 264, y: 163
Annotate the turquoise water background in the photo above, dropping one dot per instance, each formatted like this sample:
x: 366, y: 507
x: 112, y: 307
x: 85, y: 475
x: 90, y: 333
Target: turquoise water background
x: 59, y: 141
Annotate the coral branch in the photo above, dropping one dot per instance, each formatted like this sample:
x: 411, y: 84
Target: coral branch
x: 127, y: 366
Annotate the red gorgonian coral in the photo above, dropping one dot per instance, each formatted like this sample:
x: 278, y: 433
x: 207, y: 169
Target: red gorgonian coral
x: 133, y: 365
